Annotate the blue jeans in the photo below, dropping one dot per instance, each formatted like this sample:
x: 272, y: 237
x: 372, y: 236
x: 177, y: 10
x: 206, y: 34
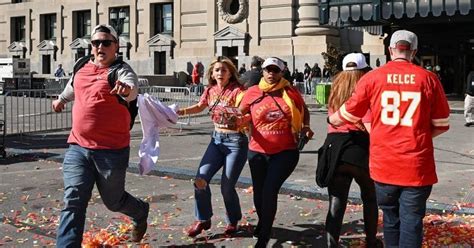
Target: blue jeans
x: 314, y: 81
x: 269, y: 172
x: 82, y: 168
x: 403, y: 211
x: 230, y: 152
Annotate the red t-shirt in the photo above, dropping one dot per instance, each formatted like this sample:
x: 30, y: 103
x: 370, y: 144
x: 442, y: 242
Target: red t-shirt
x: 407, y: 103
x: 99, y: 120
x: 271, y: 132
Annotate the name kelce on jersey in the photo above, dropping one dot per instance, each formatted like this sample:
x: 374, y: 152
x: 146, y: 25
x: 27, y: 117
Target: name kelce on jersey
x: 401, y: 78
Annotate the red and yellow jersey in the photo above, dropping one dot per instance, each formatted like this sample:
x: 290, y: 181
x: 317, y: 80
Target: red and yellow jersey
x: 226, y: 96
x: 407, y: 102
x: 271, y: 130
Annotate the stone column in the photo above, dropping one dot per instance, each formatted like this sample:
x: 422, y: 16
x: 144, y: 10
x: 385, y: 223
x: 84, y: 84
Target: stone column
x: 308, y: 15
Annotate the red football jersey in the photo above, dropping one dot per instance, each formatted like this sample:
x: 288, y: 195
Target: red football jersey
x: 271, y: 132
x: 407, y: 102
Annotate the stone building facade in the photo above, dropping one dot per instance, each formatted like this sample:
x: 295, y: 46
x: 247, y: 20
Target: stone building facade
x: 163, y: 37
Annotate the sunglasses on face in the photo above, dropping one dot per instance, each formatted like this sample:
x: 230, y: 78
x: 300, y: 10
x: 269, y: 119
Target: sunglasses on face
x: 105, y: 43
x: 272, y: 69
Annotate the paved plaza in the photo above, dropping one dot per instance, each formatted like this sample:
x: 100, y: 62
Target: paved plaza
x: 31, y: 193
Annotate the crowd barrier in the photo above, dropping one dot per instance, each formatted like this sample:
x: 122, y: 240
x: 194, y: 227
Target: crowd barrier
x: 27, y: 111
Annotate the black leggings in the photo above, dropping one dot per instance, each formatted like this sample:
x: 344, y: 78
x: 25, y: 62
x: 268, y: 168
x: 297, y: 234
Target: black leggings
x: 338, y: 190
x: 269, y: 172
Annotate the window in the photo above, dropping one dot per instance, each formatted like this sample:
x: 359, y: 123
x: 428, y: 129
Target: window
x: 17, y: 1
x: 119, y: 18
x: 82, y: 24
x: 48, y: 27
x: 18, y: 28
x: 163, y: 19
x: 160, y: 63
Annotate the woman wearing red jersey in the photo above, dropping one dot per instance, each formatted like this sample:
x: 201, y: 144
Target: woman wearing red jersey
x: 227, y: 149
x: 278, y: 115
x: 350, y: 144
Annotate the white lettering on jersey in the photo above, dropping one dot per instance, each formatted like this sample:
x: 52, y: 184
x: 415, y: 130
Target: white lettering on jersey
x: 390, y: 101
x: 401, y: 78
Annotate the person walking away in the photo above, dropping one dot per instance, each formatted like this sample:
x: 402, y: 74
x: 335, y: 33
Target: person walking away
x: 252, y: 76
x: 227, y: 149
x: 408, y: 108
x: 350, y: 144
x: 469, y: 99
x: 99, y: 141
x: 278, y: 116
x: 315, y: 77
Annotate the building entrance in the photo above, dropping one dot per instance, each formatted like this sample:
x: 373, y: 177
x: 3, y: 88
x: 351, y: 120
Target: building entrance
x: 445, y: 47
x: 232, y: 53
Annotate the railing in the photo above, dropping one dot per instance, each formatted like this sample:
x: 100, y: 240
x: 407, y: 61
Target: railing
x: 181, y: 96
x: 27, y: 111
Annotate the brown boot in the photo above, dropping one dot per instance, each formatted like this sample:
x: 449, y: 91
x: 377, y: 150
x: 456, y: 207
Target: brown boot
x: 139, y: 230
x: 197, y: 227
x: 231, y: 228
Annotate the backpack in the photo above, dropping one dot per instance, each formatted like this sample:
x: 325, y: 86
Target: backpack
x: 112, y: 77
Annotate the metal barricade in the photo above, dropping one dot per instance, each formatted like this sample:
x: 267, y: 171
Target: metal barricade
x: 2, y: 131
x: 54, y: 86
x: 27, y: 111
x: 180, y: 96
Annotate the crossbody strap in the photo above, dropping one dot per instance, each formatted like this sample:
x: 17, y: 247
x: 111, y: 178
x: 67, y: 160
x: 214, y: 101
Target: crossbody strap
x: 218, y: 99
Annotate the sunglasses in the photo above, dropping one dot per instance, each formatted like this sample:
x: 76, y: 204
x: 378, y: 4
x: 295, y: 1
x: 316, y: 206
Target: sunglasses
x: 272, y: 69
x: 105, y: 43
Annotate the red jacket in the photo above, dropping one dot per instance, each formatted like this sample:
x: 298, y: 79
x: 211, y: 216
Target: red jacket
x: 195, y: 74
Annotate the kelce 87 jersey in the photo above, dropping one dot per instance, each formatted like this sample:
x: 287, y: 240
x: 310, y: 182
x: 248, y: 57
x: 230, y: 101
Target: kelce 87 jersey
x: 407, y: 102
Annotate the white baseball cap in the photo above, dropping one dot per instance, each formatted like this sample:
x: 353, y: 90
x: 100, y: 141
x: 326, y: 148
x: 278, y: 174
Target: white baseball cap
x: 273, y: 61
x: 404, y: 35
x: 105, y: 28
x: 357, y: 58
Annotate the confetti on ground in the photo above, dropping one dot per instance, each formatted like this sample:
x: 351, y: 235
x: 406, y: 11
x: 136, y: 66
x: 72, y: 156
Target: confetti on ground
x: 447, y: 230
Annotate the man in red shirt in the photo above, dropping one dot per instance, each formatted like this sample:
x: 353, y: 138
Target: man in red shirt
x: 409, y: 108
x: 99, y: 141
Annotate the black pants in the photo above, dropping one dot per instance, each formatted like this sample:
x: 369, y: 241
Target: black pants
x: 269, y: 172
x: 338, y: 190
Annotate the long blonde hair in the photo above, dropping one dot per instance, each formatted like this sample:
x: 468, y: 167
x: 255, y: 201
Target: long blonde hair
x: 224, y: 60
x: 342, y: 87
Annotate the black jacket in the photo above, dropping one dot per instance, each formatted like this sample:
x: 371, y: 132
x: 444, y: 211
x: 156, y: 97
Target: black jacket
x: 251, y: 77
x: 333, y: 151
x: 470, y: 84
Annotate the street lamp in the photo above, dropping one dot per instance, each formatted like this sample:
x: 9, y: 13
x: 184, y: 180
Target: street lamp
x: 117, y: 19
x: 122, y: 14
x: 113, y: 15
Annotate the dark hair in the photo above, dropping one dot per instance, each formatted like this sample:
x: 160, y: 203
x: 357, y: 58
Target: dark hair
x: 256, y: 61
x: 102, y: 28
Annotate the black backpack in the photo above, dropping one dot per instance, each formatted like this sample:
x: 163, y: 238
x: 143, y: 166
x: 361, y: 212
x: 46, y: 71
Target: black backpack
x: 112, y: 77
